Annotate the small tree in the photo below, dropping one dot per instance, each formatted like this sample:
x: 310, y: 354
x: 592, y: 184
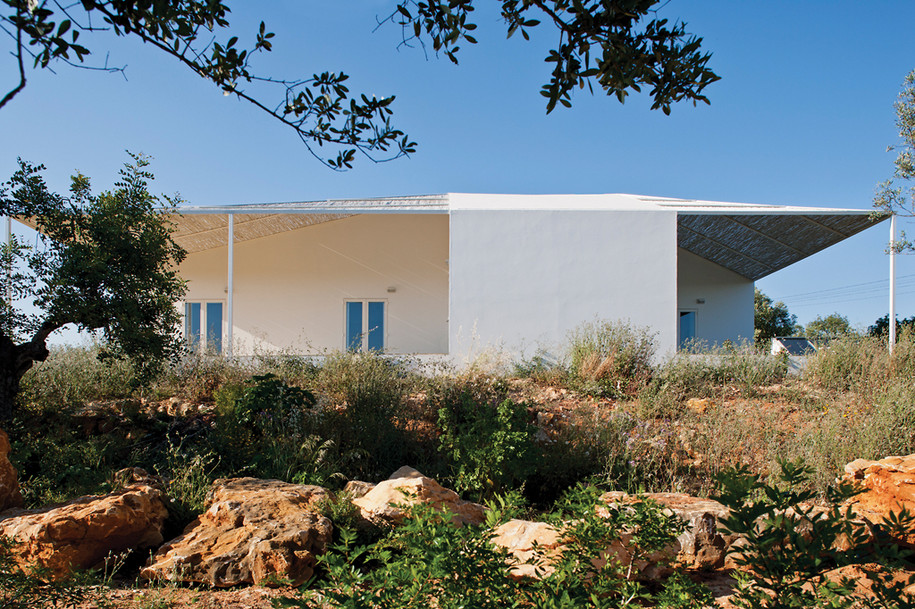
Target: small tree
x: 891, y: 196
x: 105, y: 263
x: 771, y: 319
x: 881, y: 327
x: 824, y: 329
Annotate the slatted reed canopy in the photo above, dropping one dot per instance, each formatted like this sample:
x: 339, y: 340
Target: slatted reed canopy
x: 202, y: 228
x: 756, y: 241
x: 751, y: 240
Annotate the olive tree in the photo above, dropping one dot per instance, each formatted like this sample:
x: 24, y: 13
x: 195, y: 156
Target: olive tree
x: 771, y: 319
x: 897, y: 195
x: 103, y: 263
x: 618, y: 46
x: 824, y: 329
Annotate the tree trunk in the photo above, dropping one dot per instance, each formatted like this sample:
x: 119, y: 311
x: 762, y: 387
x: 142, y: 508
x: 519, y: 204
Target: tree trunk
x: 15, y: 361
x: 9, y: 388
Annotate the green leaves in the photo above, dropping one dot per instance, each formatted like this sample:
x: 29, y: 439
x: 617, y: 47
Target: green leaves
x: 615, y: 45
x: 104, y: 263
x: 790, y: 543
x: 429, y: 562
x: 317, y: 109
x: 489, y: 444
x: 891, y: 195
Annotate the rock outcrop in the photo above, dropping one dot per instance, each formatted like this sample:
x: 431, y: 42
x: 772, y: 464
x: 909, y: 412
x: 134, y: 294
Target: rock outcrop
x: 888, y: 485
x: 9, y: 482
x: 534, y: 548
x: 702, y: 545
x: 253, y: 532
x: 81, y: 533
x: 384, y: 503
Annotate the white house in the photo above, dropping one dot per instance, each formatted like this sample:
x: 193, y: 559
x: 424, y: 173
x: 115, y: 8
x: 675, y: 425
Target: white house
x: 443, y: 274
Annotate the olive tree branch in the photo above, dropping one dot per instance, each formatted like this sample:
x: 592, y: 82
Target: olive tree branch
x: 19, y: 50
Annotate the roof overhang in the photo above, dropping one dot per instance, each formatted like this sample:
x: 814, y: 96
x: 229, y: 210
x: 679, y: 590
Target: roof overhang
x: 750, y: 240
x: 756, y: 243
x: 202, y: 228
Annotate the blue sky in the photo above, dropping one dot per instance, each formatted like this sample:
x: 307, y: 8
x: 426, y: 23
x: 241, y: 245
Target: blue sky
x: 802, y: 115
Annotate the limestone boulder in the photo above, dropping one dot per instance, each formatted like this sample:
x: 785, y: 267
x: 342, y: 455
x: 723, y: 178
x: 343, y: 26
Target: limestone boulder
x: 357, y: 488
x: 534, y: 547
x: 386, y: 501
x: 702, y: 544
x: 888, y: 486
x: 81, y: 533
x: 10, y: 496
x: 253, y: 532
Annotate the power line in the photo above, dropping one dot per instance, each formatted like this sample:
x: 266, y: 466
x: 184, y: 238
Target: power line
x: 845, y: 287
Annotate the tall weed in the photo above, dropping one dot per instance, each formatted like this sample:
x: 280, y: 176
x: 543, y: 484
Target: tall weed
x: 365, y: 397
x: 610, y: 358
x: 703, y: 372
x: 73, y: 376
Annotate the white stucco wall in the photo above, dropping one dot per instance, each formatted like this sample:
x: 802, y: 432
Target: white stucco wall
x: 290, y: 288
x: 521, y: 279
x: 727, y: 313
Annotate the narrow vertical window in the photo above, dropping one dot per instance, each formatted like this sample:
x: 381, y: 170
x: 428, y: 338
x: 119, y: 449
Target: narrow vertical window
x: 365, y: 325
x: 354, y: 325
x: 203, y: 323
x: 376, y: 326
x: 214, y: 327
x: 687, y: 328
x: 192, y: 325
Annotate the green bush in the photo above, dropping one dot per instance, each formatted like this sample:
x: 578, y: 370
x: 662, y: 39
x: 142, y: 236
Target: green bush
x: 56, y: 463
x: 490, y: 446
x: 261, y: 428
x: 790, y: 544
x: 610, y: 358
x: 429, y: 562
x: 366, y: 411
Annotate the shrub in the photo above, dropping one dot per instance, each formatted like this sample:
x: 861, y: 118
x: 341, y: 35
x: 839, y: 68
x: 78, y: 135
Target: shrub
x: 610, y: 358
x: 261, y: 428
x: 429, y: 562
x: 790, y: 544
x: 366, y: 394
x: 56, y: 463
x: 490, y: 446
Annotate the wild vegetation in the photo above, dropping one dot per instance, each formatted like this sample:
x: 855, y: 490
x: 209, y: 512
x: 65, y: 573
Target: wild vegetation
x: 606, y: 413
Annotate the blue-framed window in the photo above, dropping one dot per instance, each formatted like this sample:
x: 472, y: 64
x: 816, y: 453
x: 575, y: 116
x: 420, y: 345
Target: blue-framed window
x: 203, y: 326
x: 365, y: 325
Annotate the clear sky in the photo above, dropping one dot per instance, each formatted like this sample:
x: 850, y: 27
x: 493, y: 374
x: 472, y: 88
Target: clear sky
x: 802, y: 115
